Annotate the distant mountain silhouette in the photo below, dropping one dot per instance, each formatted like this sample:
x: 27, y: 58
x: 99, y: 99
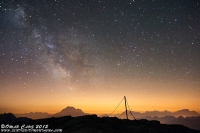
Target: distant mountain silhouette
x: 78, y: 112
x: 64, y: 112
x: 69, y: 111
x: 34, y: 115
x: 158, y: 113
x: 11, y: 117
x: 191, y: 122
x: 184, y: 113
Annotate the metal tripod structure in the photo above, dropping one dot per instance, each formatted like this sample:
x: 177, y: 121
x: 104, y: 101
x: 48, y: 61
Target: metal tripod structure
x: 126, y: 103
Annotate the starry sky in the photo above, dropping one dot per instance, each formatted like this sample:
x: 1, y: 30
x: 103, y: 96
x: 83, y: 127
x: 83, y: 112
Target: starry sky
x: 91, y: 53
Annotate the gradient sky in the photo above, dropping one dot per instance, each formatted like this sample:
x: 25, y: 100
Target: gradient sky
x: 91, y: 53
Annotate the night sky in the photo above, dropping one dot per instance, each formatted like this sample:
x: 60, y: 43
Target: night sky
x: 91, y: 53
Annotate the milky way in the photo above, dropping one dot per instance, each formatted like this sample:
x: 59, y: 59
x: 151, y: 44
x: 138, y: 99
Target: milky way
x: 81, y: 50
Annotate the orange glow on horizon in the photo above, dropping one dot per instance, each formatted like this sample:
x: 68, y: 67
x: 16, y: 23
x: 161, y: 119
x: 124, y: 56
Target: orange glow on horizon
x: 97, y: 102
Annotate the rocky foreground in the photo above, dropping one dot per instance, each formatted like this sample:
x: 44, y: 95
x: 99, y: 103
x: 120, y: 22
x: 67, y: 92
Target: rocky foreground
x: 94, y: 124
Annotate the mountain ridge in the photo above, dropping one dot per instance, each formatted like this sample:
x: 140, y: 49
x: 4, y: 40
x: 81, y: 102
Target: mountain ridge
x: 12, y: 117
x: 93, y: 123
x: 164, y: 117
x: 70, y: 110
x: 183, y: 112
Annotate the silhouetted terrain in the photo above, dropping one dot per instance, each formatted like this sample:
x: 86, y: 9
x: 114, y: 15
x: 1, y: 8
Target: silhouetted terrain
x: 64, y: 112
x: 92, y: 123
x: 70, y: 111
x: 34, y: 115
x: 78, y: 112
x: 191, y: 122
x: 165, y: 117
x: 184, y: 113
x: 11, y: 117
